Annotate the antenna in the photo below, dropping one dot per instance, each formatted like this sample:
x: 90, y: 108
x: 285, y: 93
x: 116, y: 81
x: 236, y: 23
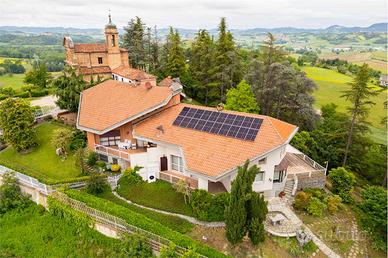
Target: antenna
x: 110, y: 18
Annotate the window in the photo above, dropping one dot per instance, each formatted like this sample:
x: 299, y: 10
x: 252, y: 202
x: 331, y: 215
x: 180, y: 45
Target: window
x: 111, y: 138
x: 122, y: 79
x: 100, y: 60
x: 176, y: 163
x: 259, y: 177
x: 113, y: 77
x: 103, y: 157
x: 263, y: 161
x: 278, y: 176
x: 113, y: 41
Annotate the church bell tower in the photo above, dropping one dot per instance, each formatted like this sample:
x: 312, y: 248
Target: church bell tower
x: 112, y: 44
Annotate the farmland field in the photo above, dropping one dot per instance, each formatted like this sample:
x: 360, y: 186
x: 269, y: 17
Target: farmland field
x: 374, y: 59
x: 14, y: 81
x: 331, y: 84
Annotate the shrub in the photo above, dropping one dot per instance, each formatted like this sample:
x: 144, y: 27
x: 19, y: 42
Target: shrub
x: 132, y: 175
x: 310, y: 247
x: 342, y: 182
x: 39, y: 93
x: 10, y: 195
x: 115, y: 168
x: 92, y: 158
x: 135, y: 245
x: 208, y: 207
x: 78, y: 140
x: 315, y: 192
x: 302, y: 200
x: 61, y: 138
x: 101, y: 164
x: 96, y: 184
x: 316, y: 207
x: 169, y: 251
x: 333, y: 203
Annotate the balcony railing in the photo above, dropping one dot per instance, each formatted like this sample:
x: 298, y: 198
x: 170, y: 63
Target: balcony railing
x: 173, y: 178
x: 112, y: 152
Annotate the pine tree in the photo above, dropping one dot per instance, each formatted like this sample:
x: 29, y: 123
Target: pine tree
x: 174, y: 55
x: 359, y: 95
x: 134, y: 41
x: 241, y: 99
x: 227, y: 65
x: 200, y: 66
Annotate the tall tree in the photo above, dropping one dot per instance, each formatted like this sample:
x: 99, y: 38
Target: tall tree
x: 227, y: 65
x: 241, y: 99
x: 175, y: 58
x: 359, y: 95
x: 68, y: 88
x: 201, y: 61
x: 38, y: 76
x: 246, y: 210
x: 16, y: 121
x: 135, y: 40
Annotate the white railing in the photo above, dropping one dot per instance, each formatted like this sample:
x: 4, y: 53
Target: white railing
x: 155, y: 241
x: 34, y: 183
x: 311, y: 162
x: 112, y: 152
x: 295, y: 186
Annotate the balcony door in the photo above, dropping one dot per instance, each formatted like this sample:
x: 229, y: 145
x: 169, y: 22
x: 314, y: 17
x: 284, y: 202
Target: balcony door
x: 110, y: 138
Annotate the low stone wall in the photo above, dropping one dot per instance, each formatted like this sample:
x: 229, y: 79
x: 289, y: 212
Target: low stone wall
x: 317, y: 181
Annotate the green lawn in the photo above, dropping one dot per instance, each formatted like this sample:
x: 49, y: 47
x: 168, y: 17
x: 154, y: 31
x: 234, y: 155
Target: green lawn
x: 34, y: 232
x: 158, y: 195
x: 331, y: 85
x: 173, y: 222
x: 14, y: 81
x: 42, y: 162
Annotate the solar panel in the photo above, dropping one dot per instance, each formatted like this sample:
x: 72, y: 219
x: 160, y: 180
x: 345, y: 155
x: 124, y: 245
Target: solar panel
x: 236, y: 126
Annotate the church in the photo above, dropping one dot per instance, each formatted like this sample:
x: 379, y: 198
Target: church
x: 104, y: 60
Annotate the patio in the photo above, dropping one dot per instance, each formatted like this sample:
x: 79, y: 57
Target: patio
x: 117, y: 152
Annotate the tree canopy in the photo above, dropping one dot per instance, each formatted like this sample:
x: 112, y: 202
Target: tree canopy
x: 241, y: 99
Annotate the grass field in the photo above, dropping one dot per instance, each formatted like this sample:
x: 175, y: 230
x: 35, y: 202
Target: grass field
x: 34, y: 232
x: 331, y: 85
x: 158, y: 195
x: 15, y: 81
x: 42, y: 162
x: 376, y: 60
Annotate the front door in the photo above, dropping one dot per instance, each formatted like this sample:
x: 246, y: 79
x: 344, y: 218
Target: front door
x: 163, y: 164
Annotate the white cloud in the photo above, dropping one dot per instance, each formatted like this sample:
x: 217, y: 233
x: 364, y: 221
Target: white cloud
x: 194, y: 13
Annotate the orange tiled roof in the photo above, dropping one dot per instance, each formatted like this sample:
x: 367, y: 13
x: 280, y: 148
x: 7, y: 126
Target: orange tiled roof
x: 166, y: 82
x: 95, y: 70
x: 112, y: 102
x: 213, y: 154
x: 132, y: 73
x: 87, y: 48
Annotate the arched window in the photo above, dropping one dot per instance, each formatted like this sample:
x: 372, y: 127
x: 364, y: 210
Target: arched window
x: 113, y: 40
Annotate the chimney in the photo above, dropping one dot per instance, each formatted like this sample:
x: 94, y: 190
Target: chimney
x: 148, y: 85
x: 160, y: 130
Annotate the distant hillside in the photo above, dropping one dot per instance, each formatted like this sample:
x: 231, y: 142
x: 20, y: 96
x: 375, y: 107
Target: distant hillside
x: 188, y: 33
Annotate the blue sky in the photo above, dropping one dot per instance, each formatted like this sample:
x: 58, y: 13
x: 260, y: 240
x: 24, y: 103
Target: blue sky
x: 194, y: 13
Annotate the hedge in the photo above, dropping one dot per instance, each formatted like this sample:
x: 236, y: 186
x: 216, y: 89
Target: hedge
x: 143, y: 222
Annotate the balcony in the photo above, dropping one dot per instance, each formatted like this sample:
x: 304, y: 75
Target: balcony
x: 114, y: 151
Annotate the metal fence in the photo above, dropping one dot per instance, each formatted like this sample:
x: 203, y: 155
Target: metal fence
x: 156, y: 242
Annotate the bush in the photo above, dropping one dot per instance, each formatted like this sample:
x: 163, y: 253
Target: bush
x: 39, y: 93
x: 92, y: 158
x: 78, y: 140
x: 96, y: 184
x: 209, y: 207
x: 22, y: 95
x: 310, y: 247
x: 61, y: 138
x: 10, y: 195
x: 101, y: 164
x: 302, y: 200
x: 333, y: 203
x: 315, y: 192
x: 132, y: 175
x: 316, y: 207
x: 115, y: 168
x: 342, y: 182
x: 135, y: 245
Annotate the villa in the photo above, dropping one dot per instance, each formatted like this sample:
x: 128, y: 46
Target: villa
x: 148, y: 126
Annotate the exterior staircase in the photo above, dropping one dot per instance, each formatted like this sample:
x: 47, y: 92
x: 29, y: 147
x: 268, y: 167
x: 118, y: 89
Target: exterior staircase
x: 288, y: 188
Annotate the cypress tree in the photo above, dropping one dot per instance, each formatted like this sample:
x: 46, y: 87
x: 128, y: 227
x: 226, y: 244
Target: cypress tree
x: 258, y: 213
x: 173, y: 55
x: 134, y: 41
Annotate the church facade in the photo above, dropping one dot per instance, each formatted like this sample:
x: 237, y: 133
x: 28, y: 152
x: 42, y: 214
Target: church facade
x: 104, y: 60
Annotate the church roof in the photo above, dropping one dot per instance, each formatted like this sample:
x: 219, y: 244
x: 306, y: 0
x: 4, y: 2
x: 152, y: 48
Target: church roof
x: 89, y: 48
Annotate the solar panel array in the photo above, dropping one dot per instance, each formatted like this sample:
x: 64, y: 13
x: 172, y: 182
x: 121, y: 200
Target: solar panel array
x: 236, y: 126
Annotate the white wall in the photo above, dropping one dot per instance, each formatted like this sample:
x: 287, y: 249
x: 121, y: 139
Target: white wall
x: 120, y: 78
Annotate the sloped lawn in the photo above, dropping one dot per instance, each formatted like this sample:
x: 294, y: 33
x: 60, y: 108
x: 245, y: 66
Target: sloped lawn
x: 159, y: 195
x: 42, y: 162
x: 34, y: 232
